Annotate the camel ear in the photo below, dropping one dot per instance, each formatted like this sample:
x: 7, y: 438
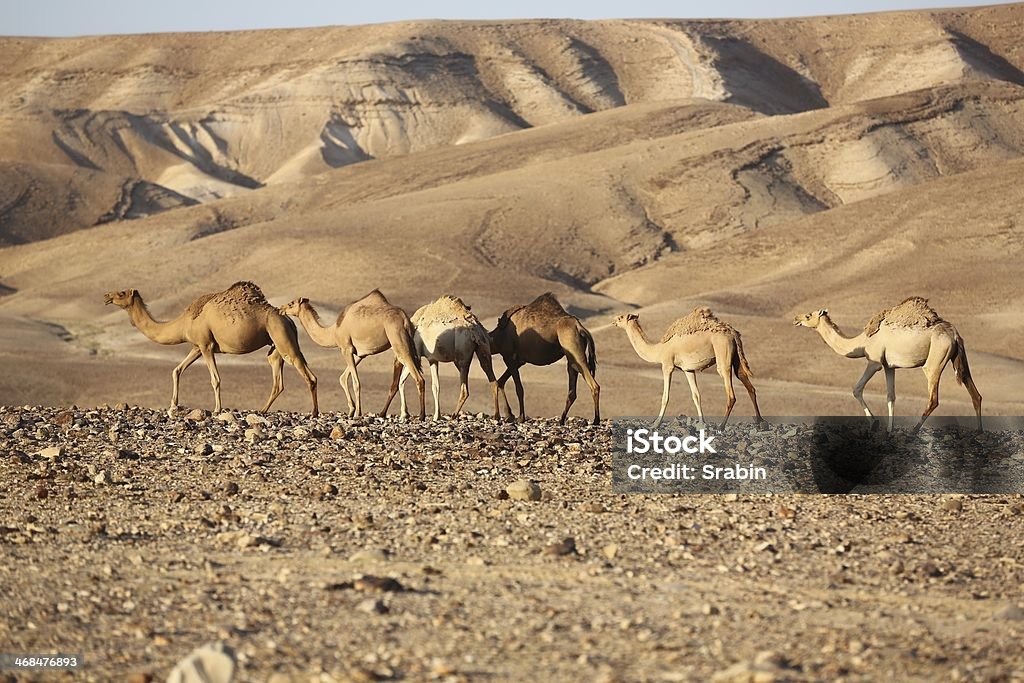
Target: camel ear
x: 823, y: 311
x: 131, y: 293
x: 303, y: 300
x: 632, y: 316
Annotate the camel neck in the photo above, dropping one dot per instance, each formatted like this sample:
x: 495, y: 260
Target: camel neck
x: 160, y: 332
x: 321, y: 336
x: 851, y: 347
x: 641, y: 344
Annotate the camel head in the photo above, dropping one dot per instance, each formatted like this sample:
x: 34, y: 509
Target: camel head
x: 810, y: 320
x: 293, y: 306
x: 122, y: 299
x: 625, y: 319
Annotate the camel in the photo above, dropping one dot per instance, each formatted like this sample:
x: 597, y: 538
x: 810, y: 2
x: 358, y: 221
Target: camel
x: 693, y: 343
x: 366, y: 327
x: 237, y: 321
x: 446, y: 331
x: 540, y: 333
x: 909, y: 335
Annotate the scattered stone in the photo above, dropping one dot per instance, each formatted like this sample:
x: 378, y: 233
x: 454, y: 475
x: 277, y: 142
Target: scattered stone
x: 228, y: 418
x: 567, y: 546
x: 1010, y: 613
x: 953, y: 505
x: 41, y: 491
x: 337, y: 433
x: 707, y: 609
x: 52, y: 452
x: 301, y: 433
x: 254, y: 420
x: 377, y: 584
x: 372, y: 606
x: 103, y: 477
x: 231, y: 488
x: 610, y: 551
x: 369, y: 555
x: 329, y: 490
x: 197, y: 415
x: 255, y: 435
x: 214, y: 663
x: 595, y: 508
x: 203, y: 449
x: 122, y: 406
x: 140, y: 677
x: 523, y: 489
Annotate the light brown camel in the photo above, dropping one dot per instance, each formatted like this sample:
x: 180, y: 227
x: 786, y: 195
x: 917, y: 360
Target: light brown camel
x: 540, y: 333
x: 366, y: 327
x: 237, y: 321
x: 447, y: 331
x: 693, y: 343
x: 909, y: 335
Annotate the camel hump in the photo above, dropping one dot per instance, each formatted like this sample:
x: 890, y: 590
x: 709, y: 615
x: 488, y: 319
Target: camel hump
x: 911, y: 312
x: 700, y: 319
x: 376, y: 296
x: 546, y: 303
x: 447, y: 309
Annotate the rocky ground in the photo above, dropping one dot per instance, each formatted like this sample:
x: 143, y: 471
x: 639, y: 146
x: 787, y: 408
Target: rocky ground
x: 332, y: 549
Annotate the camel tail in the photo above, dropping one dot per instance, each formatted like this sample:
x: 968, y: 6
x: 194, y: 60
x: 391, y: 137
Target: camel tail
x: 411, y: 336
x: 961, y: 368
x: 739, y: 361
x: 591, y: 350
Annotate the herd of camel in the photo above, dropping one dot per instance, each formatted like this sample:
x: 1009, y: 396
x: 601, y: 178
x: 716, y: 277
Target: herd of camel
x: 239, y: 320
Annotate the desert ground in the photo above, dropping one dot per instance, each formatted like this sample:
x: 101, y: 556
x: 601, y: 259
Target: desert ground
x: 762, y: 168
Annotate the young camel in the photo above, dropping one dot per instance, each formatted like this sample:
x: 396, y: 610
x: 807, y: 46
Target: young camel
x: 909, y: 335
x: 446, y: 331
x: 238, y: 320
x: 540, y: 333
x: 366, y: 327
x: 693, y: 343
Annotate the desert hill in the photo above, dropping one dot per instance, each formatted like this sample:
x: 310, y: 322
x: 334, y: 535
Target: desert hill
x: 760, y: 167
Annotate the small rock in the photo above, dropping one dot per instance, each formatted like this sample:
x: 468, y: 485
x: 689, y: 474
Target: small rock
x: 369, y: 555
x: 102, y: 477
x: 377, y: 584
x: 372, y: 606
x: 710, y: 610
x: 231, y: 488
x: 228, y: 418
x: 41, y: 491
x: 337, y: 433
x: 140, y: 677
x: 523, y: 489
x: 254, y: 435
x: 197, y: 415
x: 567, y: 546
x: 52, y: 452
x: 610, y: 551
x: 953, y: 505
x: 329, y: 490
x: 301, y: 433
x: 122, y: 406
x: 203, y: 449
x: 64, y: 418
x: 254, y: 420
x: 595, y: 508
x: 214, y: 663
x: 1010, y: 613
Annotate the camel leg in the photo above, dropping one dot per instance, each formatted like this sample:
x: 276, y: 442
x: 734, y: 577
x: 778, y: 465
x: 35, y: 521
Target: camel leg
x: 483, y: 356
x: 191, y: 358
x: 350, y: 365
x: 276, y: 365
x: 356, y: 387
x: 666, y: 375
x: 298, y: 361
x: 397, y: 382
x: 975, y: 398
x: 933, y: 367
x: 501, y: 386
x: 435, y: 389
x: 858, y: 390
x: 890, y: 395
x: 519, y: 394
x: 730, y: 393
x: 464, y: 388
x: 570, y: 398
x: 753, y: 395
x: 211, y: 364
x: 691, y: 377
x: 579, y: 357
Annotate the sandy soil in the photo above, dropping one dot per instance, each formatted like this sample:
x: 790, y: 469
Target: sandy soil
x: 262, y: 546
